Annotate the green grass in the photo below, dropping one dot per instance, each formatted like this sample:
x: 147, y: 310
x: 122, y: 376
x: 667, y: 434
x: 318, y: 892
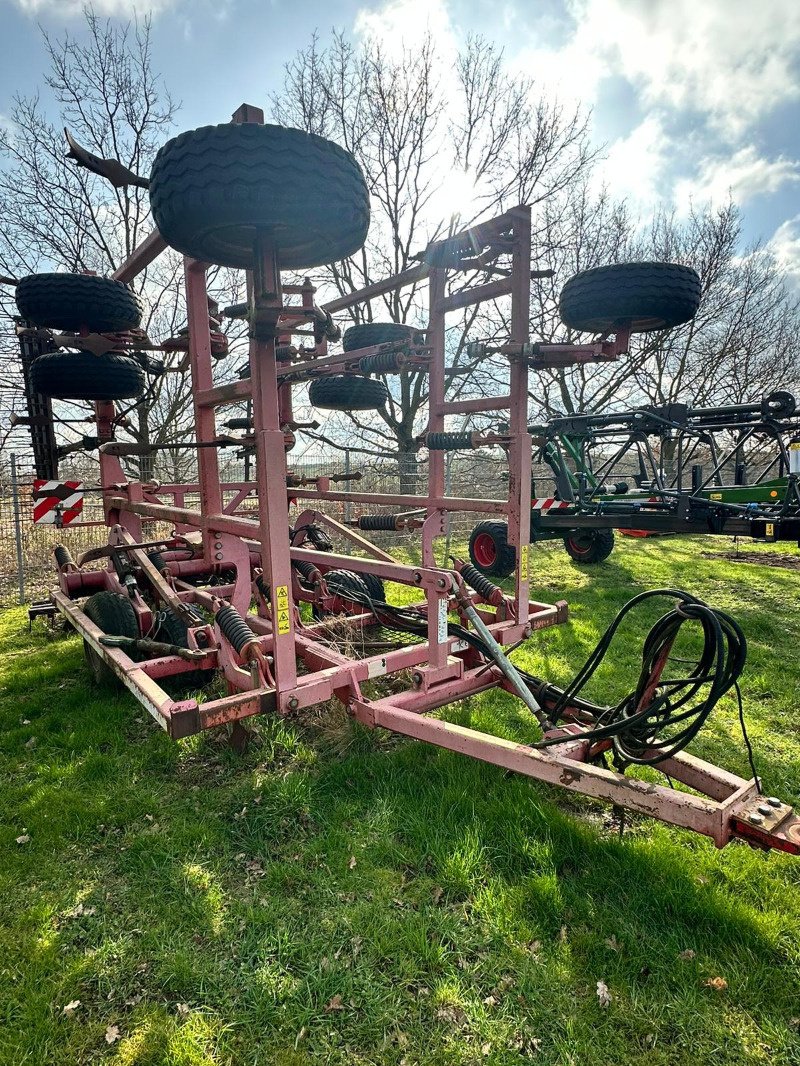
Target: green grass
x: 340, y: 896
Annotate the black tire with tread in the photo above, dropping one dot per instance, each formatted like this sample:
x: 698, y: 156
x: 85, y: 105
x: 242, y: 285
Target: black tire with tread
x: 84, y: 376
x: 370, y: 333
x: 173, y: 630
x: 374, y: 587
x: 340, y: 583
x: 72, y: 302
x: 649, y: 296
x: 589, y: 546
x: 211, y: 189
x: 347, y: 392
x: 505, y: 559
x: 114, y: 614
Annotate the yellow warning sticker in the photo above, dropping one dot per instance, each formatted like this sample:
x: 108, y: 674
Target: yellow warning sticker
x: 770, y: 532
x: 282, y: 608
x: 715, y: 496
x: 523, y: 562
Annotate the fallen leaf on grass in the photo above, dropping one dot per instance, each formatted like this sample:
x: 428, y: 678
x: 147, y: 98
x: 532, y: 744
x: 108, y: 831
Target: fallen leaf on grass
x: 334, y: 1003
x: 485, y: 1050
x: 490, y: 1001
x: 719, y: 983
x: 23, y: 839
x: 30, y: 744
x: 603, y: 994
x: 71, y: 1007
x: 437, y: 894
x: 687, y: 955
x: 613, y: 943
x: 352, y: 864
x: 113, y: 1034
x: 300, y: 1036
x: 183, y: 1010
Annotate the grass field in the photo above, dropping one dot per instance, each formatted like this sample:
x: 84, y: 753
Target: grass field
x: 340, y: 896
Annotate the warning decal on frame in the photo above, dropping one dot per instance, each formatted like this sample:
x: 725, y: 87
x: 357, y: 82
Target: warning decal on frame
x: 523, y: 562
x: 282, y: 608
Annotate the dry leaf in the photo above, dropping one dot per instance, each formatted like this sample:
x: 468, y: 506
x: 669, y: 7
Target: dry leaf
x: 613, y: 943
x: 352, y: 862
x: 149, y: 817
x: 534, y: 947
x: 687, y: 955
x: 490, y: 1001
x: 71, y: 1007
x: 23, y: 839
x: 485, y: 1049
x: 134, y: 1001
x: 29, y: 744
x: 719, y: 983
x: 113, y: 1034
x: 300, y: 1036
x: 356, y: 943
x: 183, y: 1010
x: 334, y: 1003
x: 437, y: 894
x: 562, y: 934
x: 603, y: 994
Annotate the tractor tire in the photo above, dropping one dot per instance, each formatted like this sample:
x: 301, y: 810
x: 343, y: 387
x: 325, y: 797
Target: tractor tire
x: 83, y: 376
x: 644, y: 296
x: 347, y: 392
x: 114, y: 614
x: 173, y: 630
x: 340, y: 583
x: 72, y: 302
x: 374, y: 587
x: 370, y: 333
x: 213, y: 189
x: 589, y: 545
x: 490, y: 551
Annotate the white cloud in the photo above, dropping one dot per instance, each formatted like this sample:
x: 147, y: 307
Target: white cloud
x: 743, y: 176
x: 731, y: 60
x: 635, y: 166
x: 785, y: 246
x: 404, y: 23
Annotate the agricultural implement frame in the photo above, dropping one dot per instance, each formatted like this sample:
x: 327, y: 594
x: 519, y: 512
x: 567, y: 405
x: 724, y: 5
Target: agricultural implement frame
x: 273, y: 661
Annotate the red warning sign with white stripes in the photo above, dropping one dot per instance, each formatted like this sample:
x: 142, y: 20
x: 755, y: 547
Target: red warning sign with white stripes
x: 56, y: 503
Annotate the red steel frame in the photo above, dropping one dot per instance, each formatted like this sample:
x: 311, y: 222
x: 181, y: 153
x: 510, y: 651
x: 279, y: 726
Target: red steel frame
x: 264, y: 676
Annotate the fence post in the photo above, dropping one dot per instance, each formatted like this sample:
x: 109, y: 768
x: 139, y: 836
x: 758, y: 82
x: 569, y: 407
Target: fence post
x: 348, y: 507
x: 17, y: 527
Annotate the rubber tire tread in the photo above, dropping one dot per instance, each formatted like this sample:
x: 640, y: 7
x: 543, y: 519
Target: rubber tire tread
x: 601, y: 547
x: 348, y: 392
x: 211, y: 187
x: 75, y: 301
x: 506, y: 558
x: 370, y: 333
x: 374, y: 586
x: 652, y: 296
x: 83, y: 376
x: 114, y: 614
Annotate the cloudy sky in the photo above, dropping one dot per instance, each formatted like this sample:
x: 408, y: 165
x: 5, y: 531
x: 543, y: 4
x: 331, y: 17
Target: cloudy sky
x: 692, y: 98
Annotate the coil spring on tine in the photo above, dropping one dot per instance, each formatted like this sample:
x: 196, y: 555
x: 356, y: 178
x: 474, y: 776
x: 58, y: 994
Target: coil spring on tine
x: 382, y: 363
x: 263, y: 588
x: 482, y: 585
x: 234, y: 627
x: 448, y: 442
x: 305, y: 569
x: 63, y: 556
x: 158, y: 561
x: 377, y: 521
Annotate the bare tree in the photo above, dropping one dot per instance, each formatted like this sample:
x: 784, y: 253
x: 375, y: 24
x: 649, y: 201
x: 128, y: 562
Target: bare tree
x: 54, y: 215
x: 413, y: 123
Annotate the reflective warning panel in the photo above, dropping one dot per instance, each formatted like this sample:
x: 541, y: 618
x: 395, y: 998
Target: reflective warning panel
x: 56, y: 503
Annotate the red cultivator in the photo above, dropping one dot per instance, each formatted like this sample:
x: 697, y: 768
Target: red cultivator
x: 222, y: 593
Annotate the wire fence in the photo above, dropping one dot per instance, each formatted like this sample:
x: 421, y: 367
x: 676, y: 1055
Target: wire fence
x: 27, y: 569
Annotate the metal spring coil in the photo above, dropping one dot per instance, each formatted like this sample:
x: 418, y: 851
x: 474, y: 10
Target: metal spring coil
x: 63, y: 556
x: 377, y: 521
x: 263, y: 588
x: 236, y: 630
x: 305, y: 569
x: 448, y: 442
x: 382, y: 363
x: 158, y: 561
x: 482, y: 585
